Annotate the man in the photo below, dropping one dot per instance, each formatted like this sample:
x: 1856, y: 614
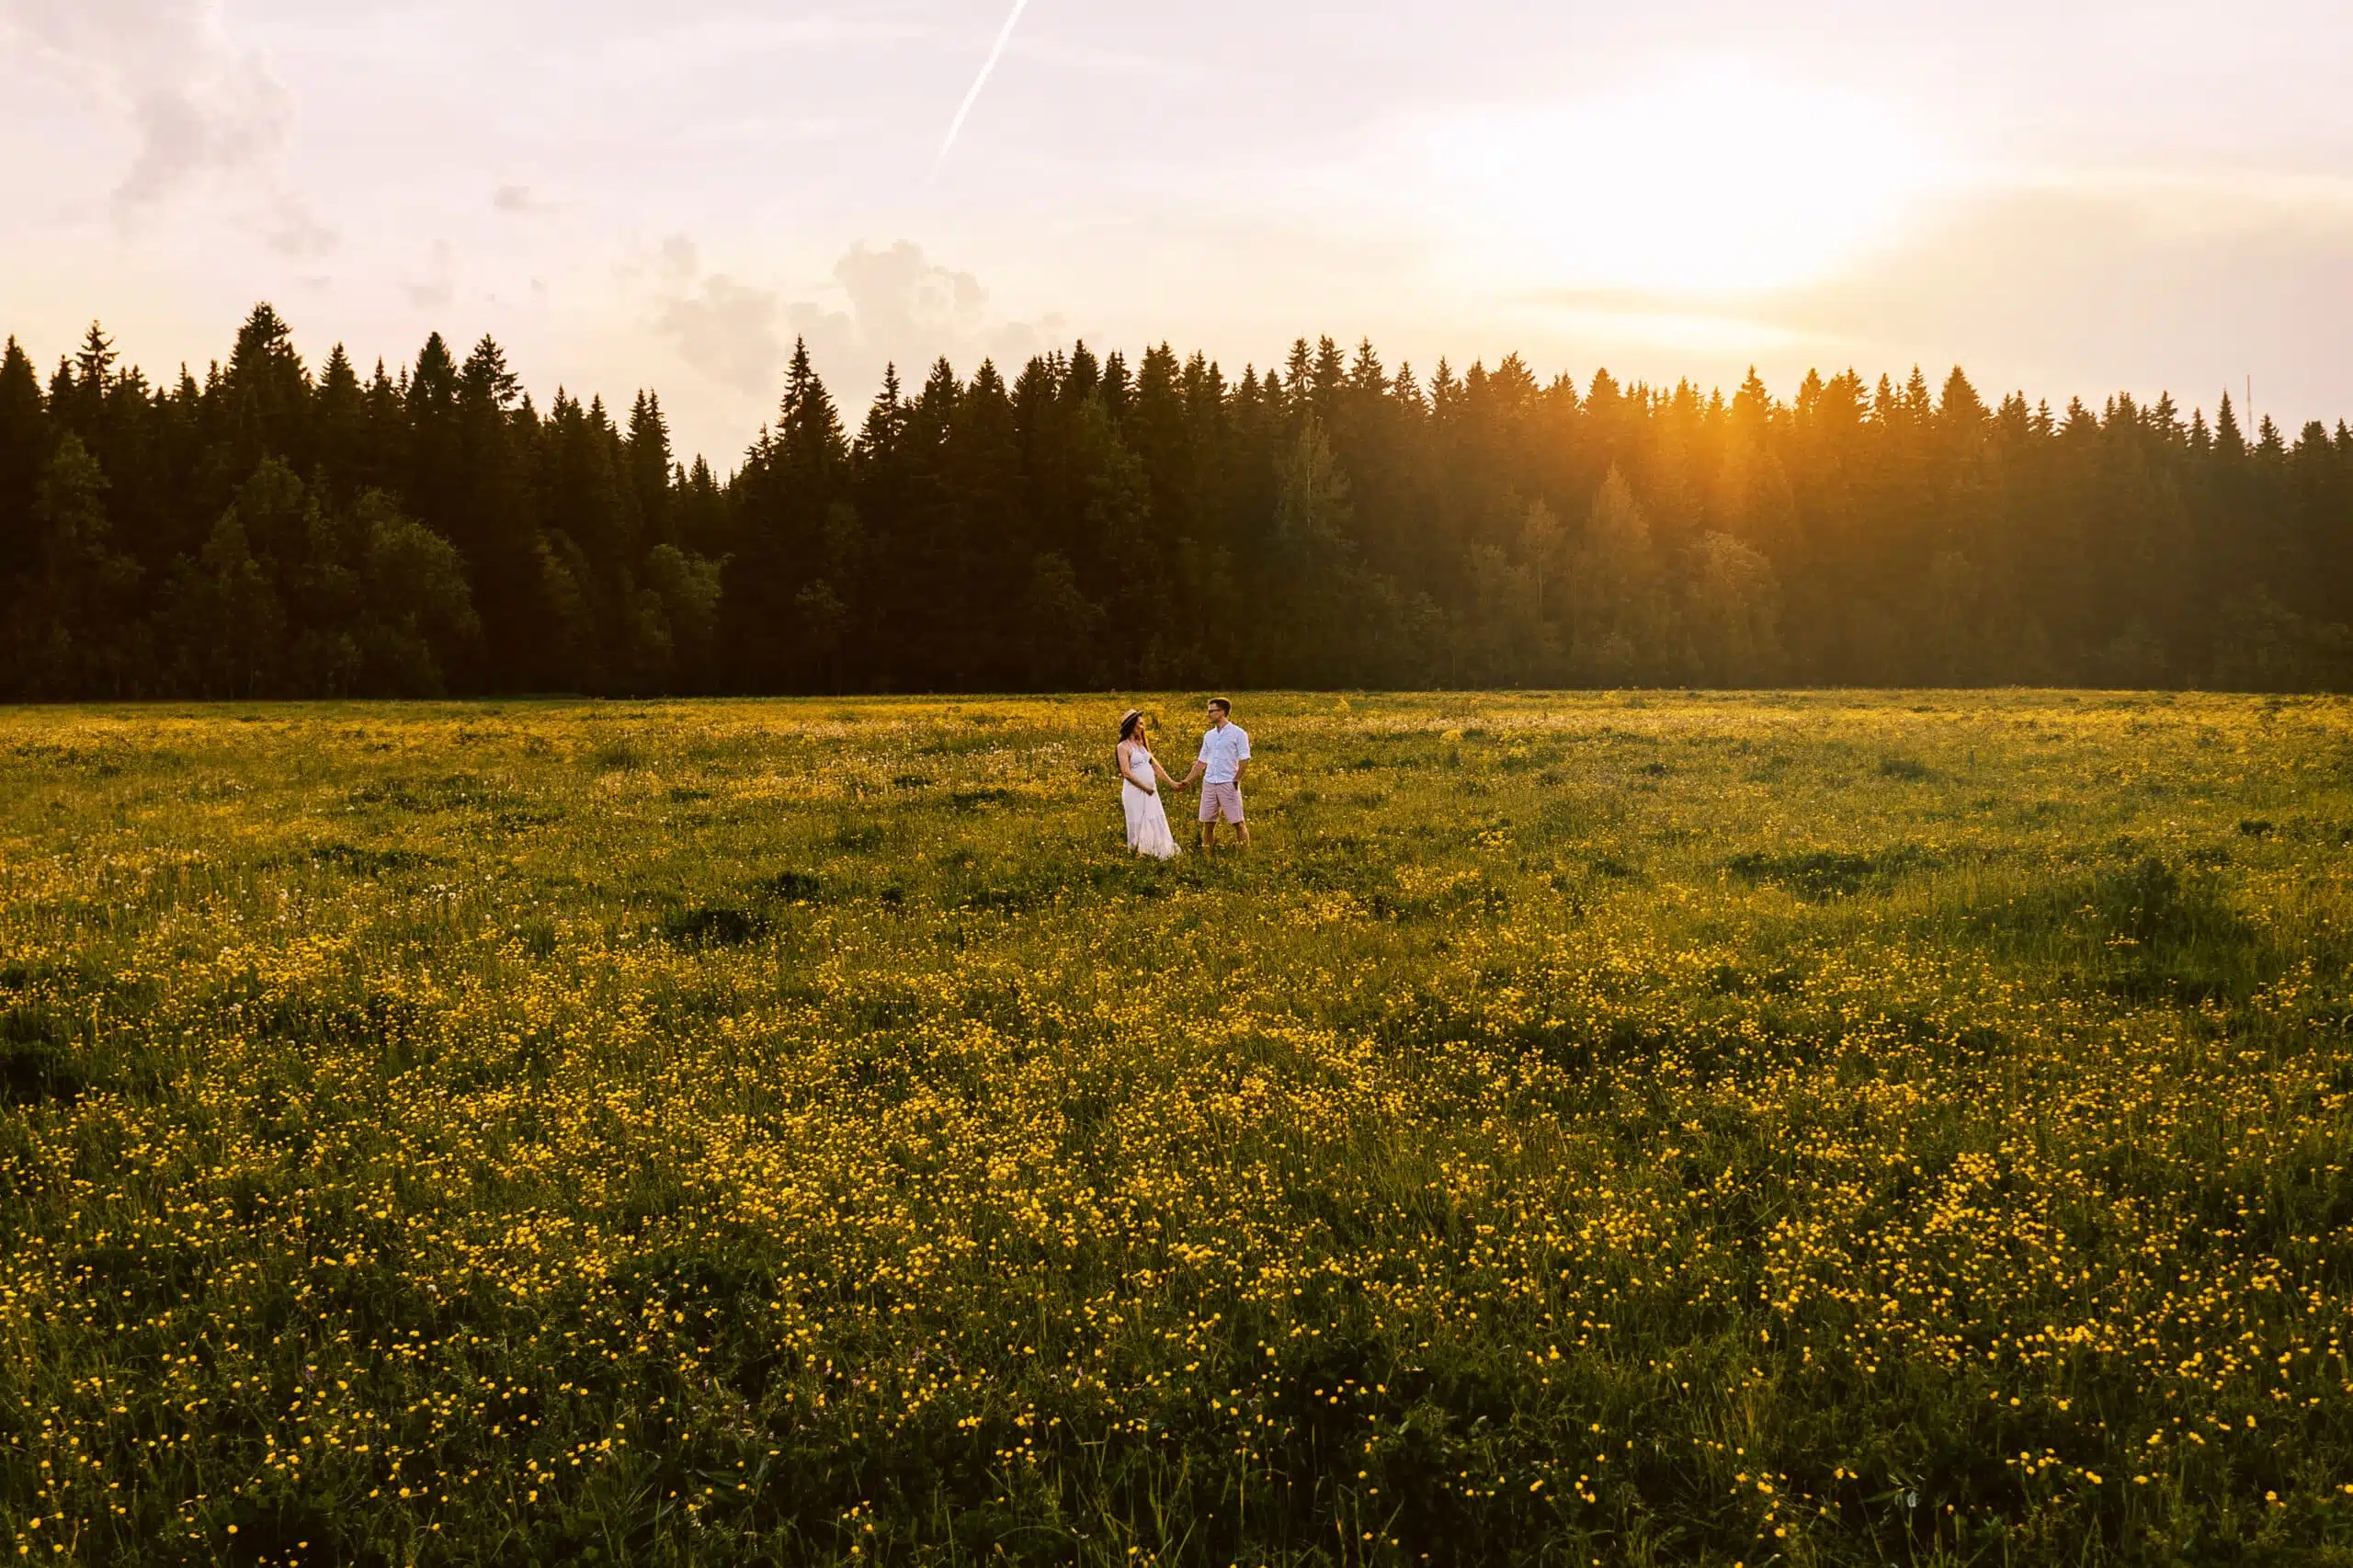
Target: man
x: 1225, y: 757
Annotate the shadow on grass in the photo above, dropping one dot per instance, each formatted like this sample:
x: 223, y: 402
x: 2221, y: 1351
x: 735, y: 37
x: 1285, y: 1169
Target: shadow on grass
x: 2147, y: 931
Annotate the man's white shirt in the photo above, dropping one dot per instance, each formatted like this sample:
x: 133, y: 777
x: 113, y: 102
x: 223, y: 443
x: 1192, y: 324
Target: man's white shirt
x: 1223, y: 751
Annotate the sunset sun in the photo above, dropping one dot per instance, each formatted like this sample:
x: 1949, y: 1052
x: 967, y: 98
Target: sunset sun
x: 1707, y: 182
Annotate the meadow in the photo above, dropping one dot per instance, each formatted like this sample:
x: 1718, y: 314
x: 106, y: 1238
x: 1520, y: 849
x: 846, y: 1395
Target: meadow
x: 1805, y: 1129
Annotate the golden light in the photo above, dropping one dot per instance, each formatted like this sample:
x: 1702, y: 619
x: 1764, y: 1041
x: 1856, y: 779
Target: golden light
x: 1712, y: 181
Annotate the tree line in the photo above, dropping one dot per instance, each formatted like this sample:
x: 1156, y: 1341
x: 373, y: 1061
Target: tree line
x: 273, y: 531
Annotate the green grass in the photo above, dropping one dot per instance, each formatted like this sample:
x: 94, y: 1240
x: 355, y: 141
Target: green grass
x: 1814, y: 1128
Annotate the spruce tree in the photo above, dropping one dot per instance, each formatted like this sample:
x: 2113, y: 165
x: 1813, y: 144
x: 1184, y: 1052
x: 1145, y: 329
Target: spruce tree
x: 338, y: 422
x: 1619, y: 614
x: 266, y: 397
x: 252, y: 531
x: 650, y: 463
x: 77, y: 632
x: 784, y: 625
x: 24, y: 455
x: 537, y: 635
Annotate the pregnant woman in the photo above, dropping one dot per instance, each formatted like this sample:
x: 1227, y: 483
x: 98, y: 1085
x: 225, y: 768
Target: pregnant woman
x: 1141, y: 777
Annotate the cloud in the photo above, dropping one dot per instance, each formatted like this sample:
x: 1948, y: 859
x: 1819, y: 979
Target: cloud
x: 894, y: 305
x: 2081, y: 265
x: 516, y: 201
x: 201, y: 108
x: 2112, y: 283
x: 722, y: 328
x: 440, y: 285
x: 900, y: 303
x: 727, y: 330
x: 294, y: 230
x: 908, y: 310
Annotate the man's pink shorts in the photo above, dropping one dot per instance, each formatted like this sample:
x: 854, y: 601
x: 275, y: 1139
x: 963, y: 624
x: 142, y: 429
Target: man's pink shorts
x: 1222, y: 800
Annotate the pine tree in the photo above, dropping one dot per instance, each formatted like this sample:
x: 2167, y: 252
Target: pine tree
x: 252, y: 531
x: 1311, y: 555
x: 783, y: 624
x: 982, y: 460
x: 338, y: 422
x: 23, y: 456
x: 432, y: 481
x: 1083, y: 377
x: 650, y: 465
x: 77, y: 632
x: 1619, y: 614
x: 538, y: 631
x: 80, y: 403
x: 1114, y: 389
x: 2229, y: 444
x: 266, y: 397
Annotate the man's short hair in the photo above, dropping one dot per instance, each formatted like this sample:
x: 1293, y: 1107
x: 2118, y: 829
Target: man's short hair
x: 1223, y: 706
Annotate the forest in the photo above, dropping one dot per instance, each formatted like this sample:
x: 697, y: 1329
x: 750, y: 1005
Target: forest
x: 273, y: 530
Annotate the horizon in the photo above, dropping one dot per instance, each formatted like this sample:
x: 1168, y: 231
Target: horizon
x: 847, y: 402
x: 2111, y: 199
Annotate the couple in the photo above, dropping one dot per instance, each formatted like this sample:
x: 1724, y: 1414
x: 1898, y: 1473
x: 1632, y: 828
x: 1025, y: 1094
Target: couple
x: 1225, y: 757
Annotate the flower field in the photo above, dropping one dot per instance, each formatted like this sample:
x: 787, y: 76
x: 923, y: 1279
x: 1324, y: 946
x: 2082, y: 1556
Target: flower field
x: 1814, y: 1129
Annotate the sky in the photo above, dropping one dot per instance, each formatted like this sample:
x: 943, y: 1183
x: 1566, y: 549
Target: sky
x: 2066, y: 197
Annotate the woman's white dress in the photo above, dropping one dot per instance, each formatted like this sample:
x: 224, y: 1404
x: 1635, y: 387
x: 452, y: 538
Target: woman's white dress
x: 1147, y: 823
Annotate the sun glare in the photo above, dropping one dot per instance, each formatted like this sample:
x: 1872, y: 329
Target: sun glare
x: 1713, y: 181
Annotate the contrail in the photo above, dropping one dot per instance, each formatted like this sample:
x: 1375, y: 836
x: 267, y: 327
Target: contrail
x: 987, y: 66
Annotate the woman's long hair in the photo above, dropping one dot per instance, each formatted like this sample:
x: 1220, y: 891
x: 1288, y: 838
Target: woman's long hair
x: 1129, y: 722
